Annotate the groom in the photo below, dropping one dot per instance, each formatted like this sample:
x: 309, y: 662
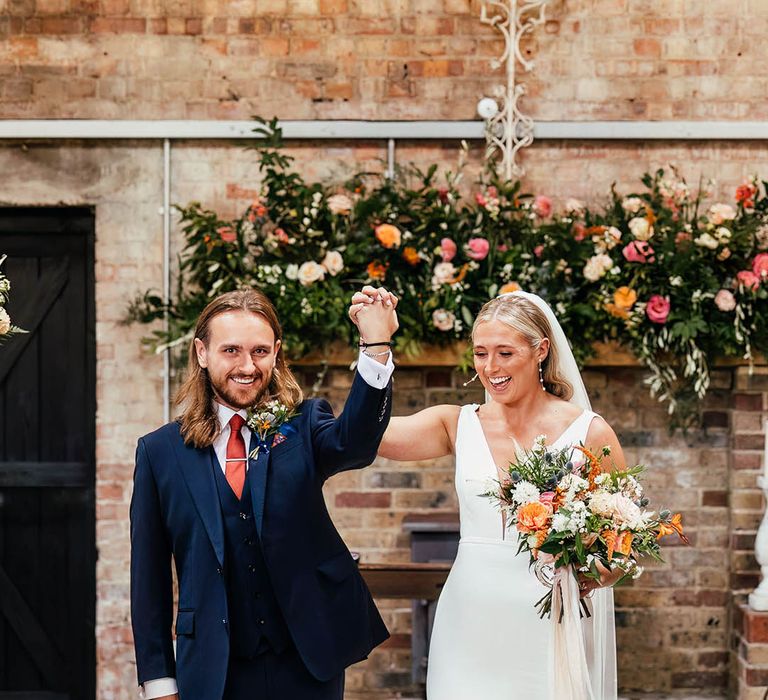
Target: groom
x: 270, y: 603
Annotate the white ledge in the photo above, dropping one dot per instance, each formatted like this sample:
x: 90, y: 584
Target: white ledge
x: 373, y: 130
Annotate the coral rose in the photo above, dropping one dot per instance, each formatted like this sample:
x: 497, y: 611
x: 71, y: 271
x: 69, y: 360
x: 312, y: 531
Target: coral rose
x: 227, y: 234
x: 748, y: 279
x: 447, y: 249
x: 311, y: 272
x: 542, y: 206
x: 657, y: 309
x: 760, y: 266
x: 533, y: 516
x: 333, y: 262
x: 745, y: 194
x: 477, y: 248
x: 388, y: 235
x: 639, y: 252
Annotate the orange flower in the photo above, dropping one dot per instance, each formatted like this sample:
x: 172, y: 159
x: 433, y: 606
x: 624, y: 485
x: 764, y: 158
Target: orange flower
x: 411, y: 255
x: 462, y: 274
x: 510, y: 287
x: 674, y: 525
x: 532, y: 517
x: 649, y: 215
x: 610, y: 537
x: 624, y: 299
x: 540, y: 536
x: 377, y: 270
x: 594, y: 466
x: 388, y: 235
x: 624, y: 543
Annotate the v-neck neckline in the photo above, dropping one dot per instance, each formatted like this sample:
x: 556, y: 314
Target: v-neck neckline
x: 488, y: 444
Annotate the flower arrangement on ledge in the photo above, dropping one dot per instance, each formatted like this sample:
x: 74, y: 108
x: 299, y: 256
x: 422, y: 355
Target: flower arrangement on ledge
x: 7, y: 329
x: 678, y: 282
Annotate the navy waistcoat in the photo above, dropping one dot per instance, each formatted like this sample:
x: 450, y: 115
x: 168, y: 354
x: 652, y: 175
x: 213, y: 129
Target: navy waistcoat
x: 255, y: 621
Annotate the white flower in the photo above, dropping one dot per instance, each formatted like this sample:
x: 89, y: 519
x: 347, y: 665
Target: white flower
x: 574, y: 206
x: 761, y: 237
x: 310, y: 272
x: 5, y: 285
x: 676, y: 281
x: 641, y: 228
x: 443, y: 319
x: 597, y: 266
x: 721, y: 212
x: 292, y: 272
x: 5, y: 321
x: 618, y: 507
x: 632, y: 205
x: 525, y: 492
x: 725, y: 301
x: 705, y: 240
x: 571, y: 484
x: 444, y: 273
x: 333, y: 262
x: 722, y: 234
x: 339, y: 204
x: 560, y: 522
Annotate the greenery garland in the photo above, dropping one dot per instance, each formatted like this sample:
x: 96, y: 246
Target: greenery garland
x: 678, y: 283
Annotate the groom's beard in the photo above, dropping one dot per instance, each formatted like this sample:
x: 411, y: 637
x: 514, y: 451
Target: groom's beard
x: 240, y: 395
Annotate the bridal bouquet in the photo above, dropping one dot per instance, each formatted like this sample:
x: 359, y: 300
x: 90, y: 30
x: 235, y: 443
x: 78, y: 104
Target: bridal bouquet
x: 570, y: 513
x: 7, y: 329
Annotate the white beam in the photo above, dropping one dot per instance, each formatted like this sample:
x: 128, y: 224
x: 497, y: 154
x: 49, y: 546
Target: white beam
x: 373, y: 130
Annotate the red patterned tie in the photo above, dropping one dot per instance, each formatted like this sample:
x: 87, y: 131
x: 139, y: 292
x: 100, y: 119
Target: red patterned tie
x: 235, y: 469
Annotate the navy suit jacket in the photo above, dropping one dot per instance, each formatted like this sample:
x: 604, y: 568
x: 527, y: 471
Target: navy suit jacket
x: 175, y: 512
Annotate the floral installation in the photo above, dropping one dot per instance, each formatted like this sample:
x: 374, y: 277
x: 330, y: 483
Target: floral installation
x: 569, y: 512
x: 7, y: 329
x: 677, y: 282
x: 270, y: 420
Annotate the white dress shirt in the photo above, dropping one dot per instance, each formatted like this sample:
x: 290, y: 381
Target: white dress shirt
x: 374, y: 373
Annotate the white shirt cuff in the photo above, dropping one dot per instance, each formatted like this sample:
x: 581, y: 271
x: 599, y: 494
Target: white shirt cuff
x: 374, y: 373
x: 158, y: 688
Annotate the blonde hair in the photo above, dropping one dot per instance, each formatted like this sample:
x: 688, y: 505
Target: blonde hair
x: 199, y: 421
x: 529, y: 320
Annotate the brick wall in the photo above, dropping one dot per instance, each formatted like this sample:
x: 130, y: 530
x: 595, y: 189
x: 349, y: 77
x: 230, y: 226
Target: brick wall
x: 389, y: 59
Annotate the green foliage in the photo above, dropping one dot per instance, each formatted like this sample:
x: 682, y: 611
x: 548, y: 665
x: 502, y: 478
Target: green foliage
x: 309, y: 246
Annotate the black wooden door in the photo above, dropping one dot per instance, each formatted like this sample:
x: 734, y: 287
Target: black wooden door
x: 47, y: 457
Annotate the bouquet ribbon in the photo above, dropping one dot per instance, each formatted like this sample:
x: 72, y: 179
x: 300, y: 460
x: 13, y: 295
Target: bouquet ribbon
x: 571, y: 668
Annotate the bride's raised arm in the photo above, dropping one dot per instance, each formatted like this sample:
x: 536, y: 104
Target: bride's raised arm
x: 428, y: 434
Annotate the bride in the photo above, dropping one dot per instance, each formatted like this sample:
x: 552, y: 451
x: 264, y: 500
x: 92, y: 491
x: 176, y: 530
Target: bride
x: 488, y: 641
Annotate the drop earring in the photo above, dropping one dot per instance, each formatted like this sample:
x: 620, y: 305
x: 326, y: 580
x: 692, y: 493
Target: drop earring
x: 541, y: 378
x: 467, y: 383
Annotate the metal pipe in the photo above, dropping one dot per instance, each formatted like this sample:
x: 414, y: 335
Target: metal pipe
x: 166, y: 210
x: 403, y: 130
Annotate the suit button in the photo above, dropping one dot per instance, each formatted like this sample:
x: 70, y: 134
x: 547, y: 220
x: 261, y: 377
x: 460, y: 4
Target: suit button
x: 248, y: 541
x: 219, y: 570
x: 262, y: 622
x: 252, y: 568
x: 244, y: 516
x: 223, y: 622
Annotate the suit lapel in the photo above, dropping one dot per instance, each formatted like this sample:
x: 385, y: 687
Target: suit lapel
x: 258, y: 469
x: 197, y: 469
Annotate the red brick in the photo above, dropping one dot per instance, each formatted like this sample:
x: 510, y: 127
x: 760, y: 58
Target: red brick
x: 193, y: 26
x: 61, y: 25
x: 746, y: 460
x: 364, y: 499
x: 748, y: 402
x: 650, y: 48
x: 119, y: 25
x: 714, y: 498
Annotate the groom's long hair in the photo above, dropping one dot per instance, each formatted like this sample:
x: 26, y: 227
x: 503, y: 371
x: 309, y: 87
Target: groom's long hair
x: 199, y: 421
x: 529, y: 320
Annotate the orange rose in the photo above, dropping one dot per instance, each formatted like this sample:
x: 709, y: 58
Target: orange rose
x: 377, y: 270
x: 388, y: 235
x: 533, y: 516
x: 625, y: 298
x: 624, y: 543
x: 510, y: 287
x: 411, y: 255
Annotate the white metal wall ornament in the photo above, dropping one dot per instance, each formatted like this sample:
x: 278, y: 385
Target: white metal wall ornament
x: 509, y: 130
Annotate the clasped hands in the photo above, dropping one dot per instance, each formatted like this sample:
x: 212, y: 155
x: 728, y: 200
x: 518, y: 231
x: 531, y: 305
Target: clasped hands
x: 373, y: 311
x: 608, y: 578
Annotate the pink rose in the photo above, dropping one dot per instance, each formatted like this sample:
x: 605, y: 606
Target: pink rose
x: 492, y: 192
x: 639, y: 252
x: 748, y: 279
x: 281, y: 236
x: 502, y: 247
x: 227, y: 233
x: 760, y: 266
x: 442, y: 193
x: 447, y: 249
x: 538, y: 250
x: 547, y: 497
x: 579, y: 231
x: 657, y: 309
x: 542, y: 206
x: 725, y: 301
x: 477, y: 248
x: 480, y: 199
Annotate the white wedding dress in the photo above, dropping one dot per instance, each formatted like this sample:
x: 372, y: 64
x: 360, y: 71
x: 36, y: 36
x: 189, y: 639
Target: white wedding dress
x: 488, y: 642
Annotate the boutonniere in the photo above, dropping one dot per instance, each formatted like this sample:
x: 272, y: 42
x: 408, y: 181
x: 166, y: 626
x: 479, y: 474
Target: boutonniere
x: 269, y: 421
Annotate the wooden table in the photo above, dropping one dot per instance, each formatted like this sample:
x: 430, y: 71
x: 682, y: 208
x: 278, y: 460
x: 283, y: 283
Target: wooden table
x: 422, y: 581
